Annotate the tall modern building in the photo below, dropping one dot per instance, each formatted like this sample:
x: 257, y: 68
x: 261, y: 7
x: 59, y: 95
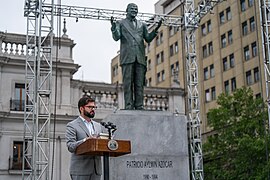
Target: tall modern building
x: 228, y: 48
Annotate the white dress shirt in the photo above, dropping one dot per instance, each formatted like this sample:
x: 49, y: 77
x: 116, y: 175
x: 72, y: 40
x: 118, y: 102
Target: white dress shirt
x: 89, y: 125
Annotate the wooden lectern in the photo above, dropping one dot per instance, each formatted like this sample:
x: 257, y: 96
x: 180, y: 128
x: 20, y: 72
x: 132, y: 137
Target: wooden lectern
x: 101, y: 147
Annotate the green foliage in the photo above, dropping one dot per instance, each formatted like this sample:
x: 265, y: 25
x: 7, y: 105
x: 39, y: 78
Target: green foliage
x: 238, y: 148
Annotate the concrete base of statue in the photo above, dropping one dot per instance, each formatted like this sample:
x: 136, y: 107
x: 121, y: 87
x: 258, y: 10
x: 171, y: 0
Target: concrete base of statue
x: 159, y: 146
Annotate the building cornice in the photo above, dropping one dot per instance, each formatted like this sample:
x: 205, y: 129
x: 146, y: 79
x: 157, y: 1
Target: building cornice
x: 15, y: 60
x: 21, y: 39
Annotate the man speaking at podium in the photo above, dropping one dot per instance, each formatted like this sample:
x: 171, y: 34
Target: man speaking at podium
x: 83, y: 167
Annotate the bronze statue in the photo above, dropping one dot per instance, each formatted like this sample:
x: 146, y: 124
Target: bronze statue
x: 132, y: 34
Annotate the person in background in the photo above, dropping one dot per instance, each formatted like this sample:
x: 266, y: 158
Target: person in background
x: 83, y: 167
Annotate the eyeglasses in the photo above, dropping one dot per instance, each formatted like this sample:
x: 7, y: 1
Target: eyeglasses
x: 91, y: 107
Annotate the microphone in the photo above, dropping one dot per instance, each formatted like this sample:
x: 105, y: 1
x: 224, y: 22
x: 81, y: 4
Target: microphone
x: 110, y: 127
x: 102, y: 123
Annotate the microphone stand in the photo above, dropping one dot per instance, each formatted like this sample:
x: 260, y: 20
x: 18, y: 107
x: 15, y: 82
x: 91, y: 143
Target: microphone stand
x: 106, y: 161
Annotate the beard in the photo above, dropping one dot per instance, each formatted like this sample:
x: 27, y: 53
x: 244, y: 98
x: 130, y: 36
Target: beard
x: 90, y: 114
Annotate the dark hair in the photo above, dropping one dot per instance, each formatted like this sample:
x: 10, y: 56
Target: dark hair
x: 84, y: 100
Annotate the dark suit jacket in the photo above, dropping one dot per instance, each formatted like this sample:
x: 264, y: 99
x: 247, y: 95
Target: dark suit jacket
x: 76, y: 131
x: 132, y: 40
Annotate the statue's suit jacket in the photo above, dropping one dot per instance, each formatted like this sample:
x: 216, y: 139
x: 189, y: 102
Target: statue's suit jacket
x: 132, y: 40
x: 76, y: 131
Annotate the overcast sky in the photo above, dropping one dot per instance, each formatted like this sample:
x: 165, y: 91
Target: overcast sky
x: 94, y: 44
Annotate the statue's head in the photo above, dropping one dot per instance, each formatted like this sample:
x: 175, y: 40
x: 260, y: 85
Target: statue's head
x: 132, y: 10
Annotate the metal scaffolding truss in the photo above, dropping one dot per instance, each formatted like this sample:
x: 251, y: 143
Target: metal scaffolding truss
x: 38, y: 75
x: 265, y: 26
x: 192, y: 17
x: 106, y: 14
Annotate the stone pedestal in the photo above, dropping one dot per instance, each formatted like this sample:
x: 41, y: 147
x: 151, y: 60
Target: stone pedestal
x: 159, y: 146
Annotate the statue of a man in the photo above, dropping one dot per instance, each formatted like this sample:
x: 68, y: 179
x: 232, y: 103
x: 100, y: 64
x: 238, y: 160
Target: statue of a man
x: 132, y: 34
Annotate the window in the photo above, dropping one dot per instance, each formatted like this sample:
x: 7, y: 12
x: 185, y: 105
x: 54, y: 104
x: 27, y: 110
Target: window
x: 226, y: 86
x: 254, y: 49
x: 115, y: 70
x: 204, y: 51
x: 258, y: 95
x: 248, y: 78
x: 171, y: 50
x: 223, y: 40
x: 162, y: 75
x: 252, y: 24
x: 158, y: 59
x: 206, y: 28
x: 162, y: 56
x: 246, y: 53
x: 205, y: 73
x: 231, y: 57
x: 147, y: 48
x: 233, y: 83
x: 230, y: 37
x: 213, y: 93
x: 157, y: 41
x: 250, y: 3
x: 176, y: 47
x: 256, y: 74
x: 149, y: 64
x: 212, y: 71
x: 17, y: 104
x: 204, y: 32
x: 209, y: 26
x: 243, y: 5
x: 228, y: 14
x: 244, y: 28
x: 210, y: 48
x: 148, y: 82
x: 207, y: 95
x: 225, y: 64
x: 17, y: 157
x: 172, y: 69
x: 158, y: 77
x: 177, y: 66
x: 161, y: 37
x: 221, y: 17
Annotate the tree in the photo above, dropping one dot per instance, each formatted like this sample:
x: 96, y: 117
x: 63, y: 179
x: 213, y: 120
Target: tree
x: 238, y: 148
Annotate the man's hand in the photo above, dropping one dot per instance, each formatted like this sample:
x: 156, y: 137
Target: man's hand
x: 159, y: 24
x: 113, y: 23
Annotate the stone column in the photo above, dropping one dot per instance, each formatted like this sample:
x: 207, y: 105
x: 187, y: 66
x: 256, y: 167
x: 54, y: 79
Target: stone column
x: 1, y: 107
x: 65, y: 92
x: 176, y: 102
x: 121, y: 100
